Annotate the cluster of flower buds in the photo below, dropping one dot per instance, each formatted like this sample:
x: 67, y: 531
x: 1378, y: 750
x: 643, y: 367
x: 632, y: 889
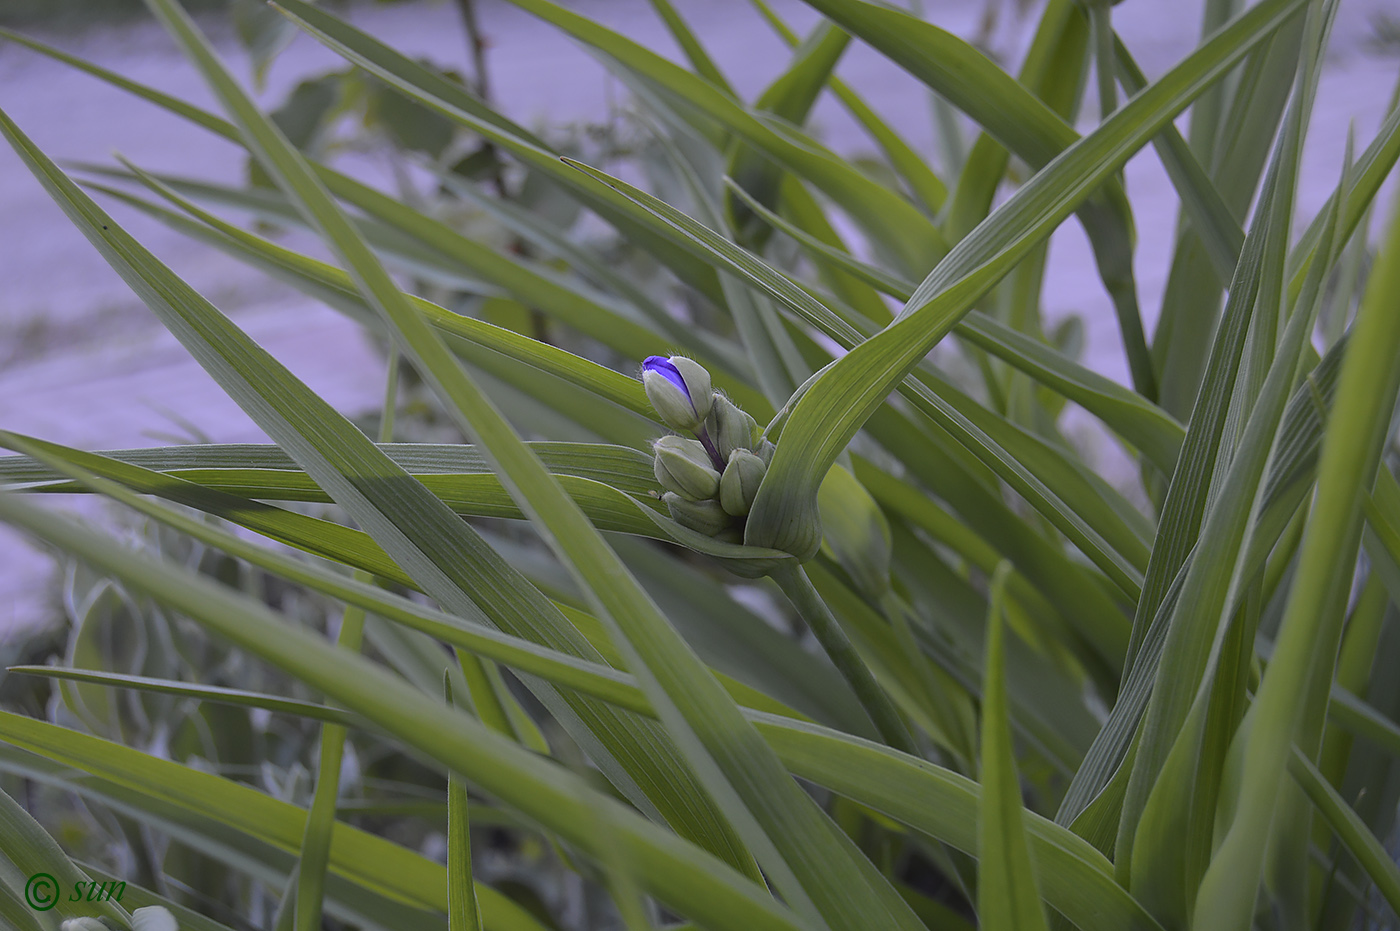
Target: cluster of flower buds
x: 712, y: 475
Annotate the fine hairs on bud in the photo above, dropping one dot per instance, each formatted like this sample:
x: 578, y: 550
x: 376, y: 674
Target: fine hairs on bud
x: 730, y: 428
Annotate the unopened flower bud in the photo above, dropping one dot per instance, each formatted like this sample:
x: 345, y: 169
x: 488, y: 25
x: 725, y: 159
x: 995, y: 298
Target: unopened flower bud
x: 739, y: 484
x: 730, y: 427
x: 765, y: 450
x: 682, y: 466
x: 679, y: 390
x: 705, y: 517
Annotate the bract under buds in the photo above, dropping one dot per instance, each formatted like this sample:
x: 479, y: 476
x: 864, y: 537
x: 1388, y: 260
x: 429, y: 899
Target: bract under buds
x: 683, y: 467
x: 679, y: 390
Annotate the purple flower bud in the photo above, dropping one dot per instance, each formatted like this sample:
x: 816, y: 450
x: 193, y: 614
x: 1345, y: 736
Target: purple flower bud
x: 666, y: 369
x: 679, y: 390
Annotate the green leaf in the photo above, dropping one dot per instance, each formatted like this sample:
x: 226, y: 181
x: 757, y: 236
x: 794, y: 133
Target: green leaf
x: 790, y: 97
x: 1054, y: 487
x: 912, y: 166
x: 846, y: 394
x: 1374, y: 858
x: 891, y: 220
x: 1232, y: 464
x: 1366, y: 394
x: 47, y: 869
x: 1154, y: 432
x: 1076, y: 879
x: 591, y: 678
x: 1253, y: 105
x: 1210, y: 216
x: 463, y: 107
x: 463, y: 913
x: 1007, y: 897
x: 965, y: 77
x: 214, y: 693
x: 691, y: 881
x: 435, y: 547
x: 804, y: 859
x: 695, y: 53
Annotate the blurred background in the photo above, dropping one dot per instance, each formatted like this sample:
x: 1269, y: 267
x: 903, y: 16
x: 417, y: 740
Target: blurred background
x: 82, y: 362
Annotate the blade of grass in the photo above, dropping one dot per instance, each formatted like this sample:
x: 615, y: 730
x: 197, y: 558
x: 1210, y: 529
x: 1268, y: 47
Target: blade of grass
x: 1146, y: 426
x: 478, y: 342
x: 1003, y: 447
x: 828, y: 415
x: 1007, y: 897
x: 488, y: 123
x: 463, y: 912
x: 1210, y: 216
x: 1027, y: 127
x: 311, y: 865
x: 36, y: 854
x: 927, y: 187
x: 1191, y: 301
x: 592, y: 678
x: 212, y: 693
x: 1290, y: 477
x: 1359, y: 841
x: 1366, y: 394
x: 1056, y: 55
x: 1076, y: 879
x: 888, y: 218
x: 690, y: 44
x: 1218, y: 525
x: 692, y: 881
x: 444, y: 555
x: 258, y: 836
x: 790, y: 97
x: 730, y: 760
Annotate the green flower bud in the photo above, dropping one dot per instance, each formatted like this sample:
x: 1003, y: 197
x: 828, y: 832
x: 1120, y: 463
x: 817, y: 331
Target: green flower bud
x: 730, y: 427
x: 705, y: 517
x: 682, y: 466
x: 679, y: 390
x: 765, y: 450
x: 739, y: 484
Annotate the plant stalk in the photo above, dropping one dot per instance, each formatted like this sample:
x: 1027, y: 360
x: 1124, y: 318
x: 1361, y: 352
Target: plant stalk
x: 799, y: 590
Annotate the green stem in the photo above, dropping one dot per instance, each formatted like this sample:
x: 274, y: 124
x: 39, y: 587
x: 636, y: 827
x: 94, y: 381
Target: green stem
x: 1105, y: 67
x: 310, y: 876
x: 799, y: 590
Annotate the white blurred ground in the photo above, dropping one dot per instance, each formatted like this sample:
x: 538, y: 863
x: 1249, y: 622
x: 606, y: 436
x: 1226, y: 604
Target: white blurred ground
x: 82, y: 362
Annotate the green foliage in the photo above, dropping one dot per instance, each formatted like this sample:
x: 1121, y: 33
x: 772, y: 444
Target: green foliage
x: 620, y: 476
